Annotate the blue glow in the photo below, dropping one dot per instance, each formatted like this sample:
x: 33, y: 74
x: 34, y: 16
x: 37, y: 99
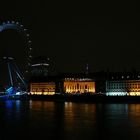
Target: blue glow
x: 10, y: 90
x: 9, y: 104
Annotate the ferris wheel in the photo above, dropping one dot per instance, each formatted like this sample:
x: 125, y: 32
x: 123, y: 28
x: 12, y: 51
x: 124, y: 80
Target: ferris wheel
x: 12, y: 25
x: 24, y: 33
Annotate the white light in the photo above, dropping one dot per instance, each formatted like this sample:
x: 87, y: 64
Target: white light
x: 40, y: 64
x: 17, y: 93
x: 116, y: 93
x: 8, y: 58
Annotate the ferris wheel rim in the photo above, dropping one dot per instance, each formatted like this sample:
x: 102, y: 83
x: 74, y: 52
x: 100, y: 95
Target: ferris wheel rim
x: 15, y: 25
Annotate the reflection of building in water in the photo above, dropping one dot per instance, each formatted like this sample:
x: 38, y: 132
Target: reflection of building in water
x: 40, y: 66
x: 79, y: 85
x: 42, y: 86
x: 123, y: 85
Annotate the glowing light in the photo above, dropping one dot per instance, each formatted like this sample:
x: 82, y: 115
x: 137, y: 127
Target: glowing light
x: 134, y: 93
x: 79, y: 87
x: 17, y: 93
x: 116, y: 93
x: 40, y: 64
x: 78, y: 79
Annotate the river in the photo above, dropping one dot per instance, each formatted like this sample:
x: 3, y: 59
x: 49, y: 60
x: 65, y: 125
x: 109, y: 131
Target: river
x: 68, y: 121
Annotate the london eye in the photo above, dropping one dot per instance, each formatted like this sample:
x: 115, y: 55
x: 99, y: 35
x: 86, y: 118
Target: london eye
x: 15, y: 44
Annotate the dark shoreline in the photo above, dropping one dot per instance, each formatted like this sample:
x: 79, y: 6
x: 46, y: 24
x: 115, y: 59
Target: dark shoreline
x: 87, y: 98
x: 77, y: 98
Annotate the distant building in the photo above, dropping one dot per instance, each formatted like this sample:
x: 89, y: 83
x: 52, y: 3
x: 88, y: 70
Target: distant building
x: 40, y: 66
x: 123, y: 84
x: 100, y: 80
x: 110, y: 84
x: 77, y: 83
x: 42, y: 86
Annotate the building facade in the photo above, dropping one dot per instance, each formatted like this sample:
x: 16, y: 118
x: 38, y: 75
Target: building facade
x: 40, y: 66
x: 78, y: 85
x: 42, y: 88
x: 127, y: 84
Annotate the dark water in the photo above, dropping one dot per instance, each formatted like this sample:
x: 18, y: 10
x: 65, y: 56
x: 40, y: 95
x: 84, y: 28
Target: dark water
x: 69, y: 121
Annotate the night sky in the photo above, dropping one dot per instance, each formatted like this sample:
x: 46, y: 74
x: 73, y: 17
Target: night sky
x: 104, y: 35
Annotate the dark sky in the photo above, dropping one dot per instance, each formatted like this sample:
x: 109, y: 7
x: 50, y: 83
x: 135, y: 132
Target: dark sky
x: 105, y: 35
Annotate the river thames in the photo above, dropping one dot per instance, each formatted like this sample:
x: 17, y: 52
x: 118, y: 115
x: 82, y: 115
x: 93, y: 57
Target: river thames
x: 68, y: 121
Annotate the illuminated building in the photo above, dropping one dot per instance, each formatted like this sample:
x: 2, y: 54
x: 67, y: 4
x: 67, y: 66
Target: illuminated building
x: 42, y: 86
x: 122, y: 85
x: 79, y: 85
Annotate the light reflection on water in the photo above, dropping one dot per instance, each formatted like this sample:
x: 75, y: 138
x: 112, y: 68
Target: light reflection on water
x: 67, y: 120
